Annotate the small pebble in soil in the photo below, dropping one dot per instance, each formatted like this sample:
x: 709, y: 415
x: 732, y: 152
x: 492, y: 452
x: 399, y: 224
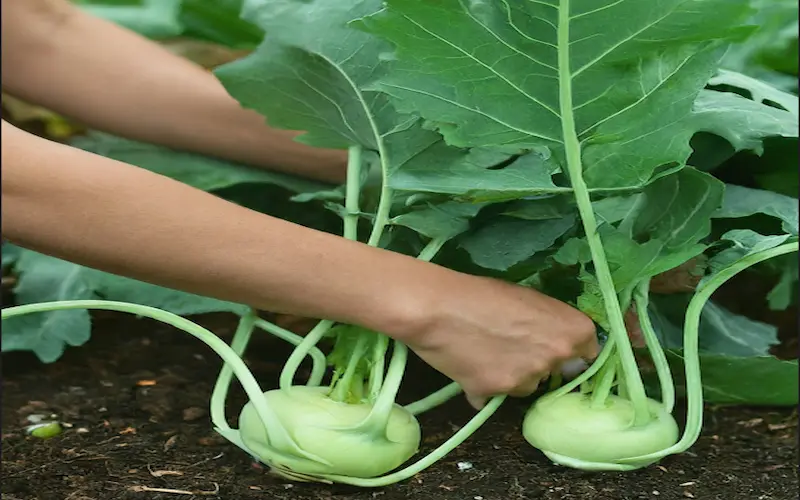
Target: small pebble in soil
x: 464, y: 466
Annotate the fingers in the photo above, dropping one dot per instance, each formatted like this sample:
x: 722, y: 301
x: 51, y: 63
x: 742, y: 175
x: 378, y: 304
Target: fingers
x: 588, y: 350
x: 526, y: 389
x: 477, y: 402
x: 521, y: 391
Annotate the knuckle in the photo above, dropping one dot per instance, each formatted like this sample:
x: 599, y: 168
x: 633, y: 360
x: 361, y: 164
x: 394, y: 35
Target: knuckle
x: 562, y: 350
x: 586, y: 329
x: 502, y: 384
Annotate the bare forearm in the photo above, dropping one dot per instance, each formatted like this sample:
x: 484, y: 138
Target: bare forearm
x: 114, y: 80
x: 107, y: 215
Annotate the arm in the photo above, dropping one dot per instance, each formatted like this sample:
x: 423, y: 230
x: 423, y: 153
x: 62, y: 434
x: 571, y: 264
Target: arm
x: 491, y: 337
x: 90, y: 210
x: 111, y: 79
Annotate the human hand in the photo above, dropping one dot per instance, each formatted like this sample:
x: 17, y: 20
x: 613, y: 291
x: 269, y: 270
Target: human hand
x: 497, y: 338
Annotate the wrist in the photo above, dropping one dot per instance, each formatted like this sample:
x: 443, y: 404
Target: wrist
x: 406, y: 302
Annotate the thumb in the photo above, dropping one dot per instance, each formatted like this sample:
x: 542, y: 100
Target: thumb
x: 477, y: 402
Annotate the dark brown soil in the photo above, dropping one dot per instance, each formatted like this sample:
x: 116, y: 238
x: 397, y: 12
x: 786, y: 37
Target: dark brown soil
x: 135, y: 399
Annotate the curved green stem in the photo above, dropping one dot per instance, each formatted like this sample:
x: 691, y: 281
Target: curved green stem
x: 319, y: 363
x: 239, y: 343
x: 431, y: 249
x: 694, y: 387
x: 455, y: 440
x: 556, y: 379
x: 572, y: 149
x: 642, y: 299
x: 273, y: 428
x: 241, y: 338
x: 378, y: 366
x: 375, y: 423
x: 431, y: 401
x: 344, y: 387
x: 301, y: 351
x: 381, y: 214
x: 604, y: 385
x: 602, y: 359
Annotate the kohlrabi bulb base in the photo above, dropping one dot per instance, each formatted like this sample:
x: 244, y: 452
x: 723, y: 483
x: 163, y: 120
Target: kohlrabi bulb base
x: 572, y: 432
x: 574, y: 463
x: 329, y: 430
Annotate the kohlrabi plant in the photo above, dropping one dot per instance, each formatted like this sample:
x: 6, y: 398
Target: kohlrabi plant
x: 543, y: 142
x: 350, y: 430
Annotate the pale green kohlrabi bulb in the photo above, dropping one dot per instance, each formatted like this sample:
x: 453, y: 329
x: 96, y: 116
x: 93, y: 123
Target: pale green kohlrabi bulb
x: 319, y: 425
x: 568, y: 427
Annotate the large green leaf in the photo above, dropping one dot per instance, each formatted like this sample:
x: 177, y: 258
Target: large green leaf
x: 314, y: 79
x: 509, y: 241
x: 785, y: 292
x: 202, y: 172
x: 744, y: 242
x: 676, y: 209
x: 219, y: 21
x: 722, y: 332
x: 546, y: 73
x: 735, y: 362
x: 757, y: 380
x: 744, y: 123
x: 42, y: 278
x: 150, y: 18
x: 467, y: 174
x: 443, y: 221
x: 759, y: 91
x: 113, y: 287
x: 771, y: 53
x: 10, y: 254
x: 741, y: 201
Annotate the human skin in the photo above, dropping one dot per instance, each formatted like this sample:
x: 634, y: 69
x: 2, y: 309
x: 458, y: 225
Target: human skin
x: 489, y: 336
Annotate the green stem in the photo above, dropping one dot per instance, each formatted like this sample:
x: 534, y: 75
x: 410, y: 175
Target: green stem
x: 350, y: 231
x: 381, y: 411
x: 241, y: 338
x: 572, y: 149
x: 642, y: 298
x: 319, y: 363
x: 378, y: 418
x: 604, y: 384
x: 439, y: 397
x: 555, y: 382
x: 382, y: 214
x: 605, y: 354
x: 301, y: 351
x: 622, y: 391
x: 342, y: 391
x: 691, y: 327
x: 378, y: 366
x: 431, y: 249
x: 272, y: 426
x: 455, y: 440
x: 352, y: 193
